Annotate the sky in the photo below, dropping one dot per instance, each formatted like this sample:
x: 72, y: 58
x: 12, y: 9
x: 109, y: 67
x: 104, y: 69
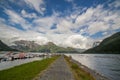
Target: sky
x: 68, y: 23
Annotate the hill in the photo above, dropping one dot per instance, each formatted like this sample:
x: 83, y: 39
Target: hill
x: 23, y: 45
x: 108, y: 45
x: 52, y: 48
x: 4, y: 47
x: 31, y: 46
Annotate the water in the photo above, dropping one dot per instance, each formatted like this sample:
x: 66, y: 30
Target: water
x: 10, y: 64
x: 106, y: 64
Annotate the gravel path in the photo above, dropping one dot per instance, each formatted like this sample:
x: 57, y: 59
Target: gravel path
x: 59, y: 70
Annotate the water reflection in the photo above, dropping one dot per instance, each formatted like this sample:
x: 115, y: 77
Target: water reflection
x: 106, y: 64
x: 28, y: 57
x: 9, y: 64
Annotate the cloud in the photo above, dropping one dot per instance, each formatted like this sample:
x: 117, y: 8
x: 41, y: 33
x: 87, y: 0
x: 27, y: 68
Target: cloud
x: 98, y: 20
x: 9, y: 34
x: 41, y: 40
x: 45, y: 21
x: 84, y: 17
x: 44, y: 24
x: 115, y: 4
x: 69, y: 0
x: 28, y: 15
x: 64, y: 26
x: 78, y: 41
x: 97, y: 27
x: 21, y: 3
x: 74, y: 30
x: 92, y: 21
x: 38, y: 5
x: 15, y: 18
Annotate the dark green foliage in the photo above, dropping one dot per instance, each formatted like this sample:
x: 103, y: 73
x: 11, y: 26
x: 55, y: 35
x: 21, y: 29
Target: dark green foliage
x: 108, y: 45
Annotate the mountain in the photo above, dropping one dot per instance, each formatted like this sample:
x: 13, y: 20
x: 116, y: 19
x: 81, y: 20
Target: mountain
x: 52, y: 48
x: 108, y: 45
x: 4, y: 47
x: 24, y: 45
x: 31, y: 46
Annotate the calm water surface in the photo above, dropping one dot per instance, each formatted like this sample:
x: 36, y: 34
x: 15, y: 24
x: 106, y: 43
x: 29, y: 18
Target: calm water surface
x: 105, y: 64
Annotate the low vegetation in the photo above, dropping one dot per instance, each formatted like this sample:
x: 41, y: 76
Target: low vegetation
x: 78, y: 72
x: 26, y: 71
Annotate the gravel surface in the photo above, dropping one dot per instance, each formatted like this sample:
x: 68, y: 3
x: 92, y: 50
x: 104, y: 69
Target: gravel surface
x: 59, y: 70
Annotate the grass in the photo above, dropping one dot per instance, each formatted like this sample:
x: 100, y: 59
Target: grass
x: 26, y: 71
x: 78, y: 72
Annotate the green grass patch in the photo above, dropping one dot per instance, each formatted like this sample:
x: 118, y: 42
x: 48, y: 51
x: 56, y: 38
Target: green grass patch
x: 26, y: 71
x: 78, y: 72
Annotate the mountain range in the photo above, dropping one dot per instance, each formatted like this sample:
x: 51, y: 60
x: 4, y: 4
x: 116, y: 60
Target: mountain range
x: 108, y: 45
x: 51, y: 47
x: 31, y: 46
x: 23, y: 45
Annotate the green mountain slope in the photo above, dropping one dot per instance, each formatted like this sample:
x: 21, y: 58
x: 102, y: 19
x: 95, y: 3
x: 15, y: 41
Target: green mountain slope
x: 31, y: 46
x: 108, y: 45
x: 51, y: 47
x: 4, y: 47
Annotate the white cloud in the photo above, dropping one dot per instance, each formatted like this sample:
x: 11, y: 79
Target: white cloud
x: 44, y: 24
x: 97, y: 27
x: 9, y: 34
x: 116, y: 4
x: 15, y: 18
x: 41, y: 40
x: 78, y: 41
x: 58, y: 39
x: 86, y: 16
x: 64, y: 26
x: 38, y: 5
x: 45, y: 21
x: 98, y: 19
x: 28, y: 15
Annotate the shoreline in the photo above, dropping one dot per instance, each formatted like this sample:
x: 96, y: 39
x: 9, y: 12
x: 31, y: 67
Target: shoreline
x: 95, y: 74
